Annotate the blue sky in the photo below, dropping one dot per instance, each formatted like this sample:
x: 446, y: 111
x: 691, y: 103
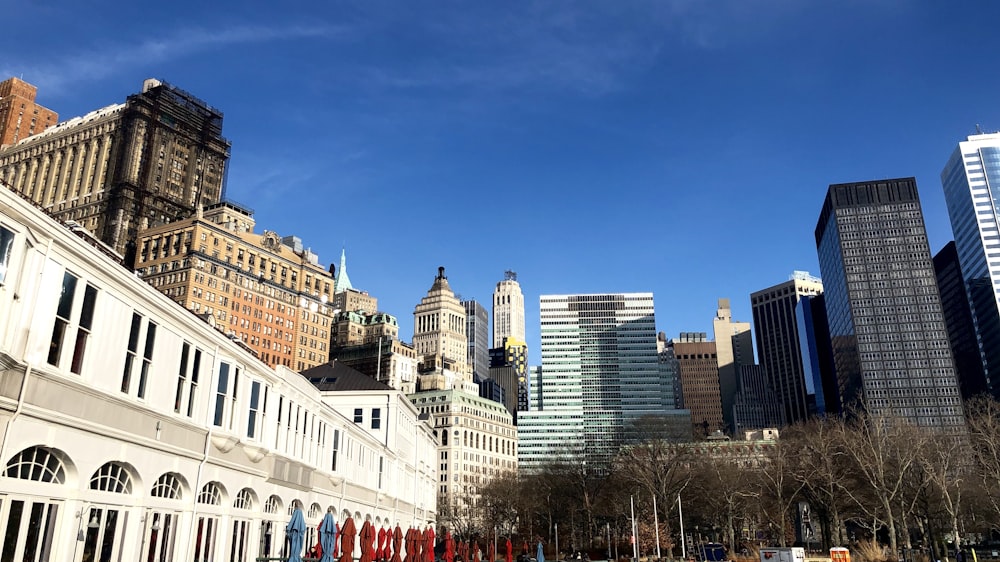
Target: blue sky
x: 682, y: 147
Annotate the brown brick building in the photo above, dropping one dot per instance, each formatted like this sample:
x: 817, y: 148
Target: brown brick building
x: 20, y: 116
x: 698, y: 366
x: 261, y: 289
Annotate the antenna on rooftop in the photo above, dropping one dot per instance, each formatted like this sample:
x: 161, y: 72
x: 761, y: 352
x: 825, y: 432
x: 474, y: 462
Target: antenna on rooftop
x: 979, y: 130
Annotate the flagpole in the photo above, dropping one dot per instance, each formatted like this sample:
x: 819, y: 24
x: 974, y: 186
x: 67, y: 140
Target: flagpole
x: 680, y: 514
x: 656, y: 525
x: 635, y: 537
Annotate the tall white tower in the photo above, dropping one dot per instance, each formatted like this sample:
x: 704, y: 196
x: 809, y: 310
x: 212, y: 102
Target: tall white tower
x: 508, y: 310
x: 971, y: 181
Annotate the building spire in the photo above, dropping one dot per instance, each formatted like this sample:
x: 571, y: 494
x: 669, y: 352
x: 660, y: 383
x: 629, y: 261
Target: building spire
x: 342, y: 282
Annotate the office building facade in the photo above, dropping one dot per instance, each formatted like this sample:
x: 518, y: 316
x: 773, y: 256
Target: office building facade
x: 509, y: 369
x: 756, y: 405
x: 734, y: 349
x: 477, y: 332
x: 117, y: 170
x: 959, y: 322
x: 600, y: 373
x: 776, y: 312
x: 971, y: 180
x: 477, y: 442
x: 890, y: 346
x: 698, y: 367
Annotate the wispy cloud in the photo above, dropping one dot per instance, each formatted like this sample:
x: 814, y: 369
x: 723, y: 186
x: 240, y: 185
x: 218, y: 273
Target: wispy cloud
x: 94, y: 64
x: 589, y: 48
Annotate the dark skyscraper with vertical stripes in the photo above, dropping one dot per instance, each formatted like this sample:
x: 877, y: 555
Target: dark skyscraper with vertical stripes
x: 887, y: 330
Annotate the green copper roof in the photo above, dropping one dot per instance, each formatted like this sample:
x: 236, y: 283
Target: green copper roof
x: 343, y: 282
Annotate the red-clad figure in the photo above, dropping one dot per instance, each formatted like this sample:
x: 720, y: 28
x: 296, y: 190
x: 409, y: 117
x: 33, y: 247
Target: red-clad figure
x: 491, y: 553
x: 509, y: 555
x: 475, y: 552
x: 347, y: 534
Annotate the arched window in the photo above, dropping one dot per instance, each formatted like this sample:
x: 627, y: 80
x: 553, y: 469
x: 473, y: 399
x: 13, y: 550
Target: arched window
x: 315, y: 510
x: 210, y: 494
x: 272, y: 505
x: 167, y: 486
x: 37, y: 464
x: 244, y: 499
x: 112, y: 477
x: 293, y: 505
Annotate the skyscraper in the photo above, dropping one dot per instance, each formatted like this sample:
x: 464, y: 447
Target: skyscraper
x: 734, y: 349
x: 958, y: 320
x: 477, y: 332
x: 509, y: 369
x: 126, y: 167
x: 756, y: 405
x: 508, y: 310
x: 477, y: 435
x: 779, y: 342
x: 971, y: 181
x: 20, y: 116
x: 698, y: 366
x: 440, y: 341
x: 600, y: 373
x: 887, y: 329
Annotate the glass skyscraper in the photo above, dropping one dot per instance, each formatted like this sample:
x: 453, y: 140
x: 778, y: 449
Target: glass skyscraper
x: 600, y: 373
x: 887, y: 331
x: 971, y: 181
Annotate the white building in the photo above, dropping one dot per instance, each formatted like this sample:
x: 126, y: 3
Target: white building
x: 133, y: 430
x: 508, y: 310
x: 477, y: 442
x: 970, y: 179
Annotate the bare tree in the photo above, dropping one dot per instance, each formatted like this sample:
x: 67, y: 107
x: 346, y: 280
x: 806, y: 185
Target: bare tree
x: 725, y: 490
x: 883, y: 453
x: 780, y: 490
x: 984, y: 437
x: 656, y: 464
x: 824, y: 471
x: 500, y: 503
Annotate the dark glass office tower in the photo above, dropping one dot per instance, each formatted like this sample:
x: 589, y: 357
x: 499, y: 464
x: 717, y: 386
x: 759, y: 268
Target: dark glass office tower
x: 887, y: 331
x: 960, y: 323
